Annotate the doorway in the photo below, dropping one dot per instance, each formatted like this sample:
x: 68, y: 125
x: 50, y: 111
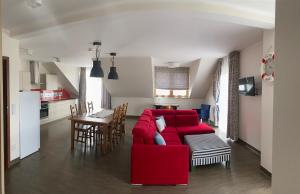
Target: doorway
x: 6, y: 111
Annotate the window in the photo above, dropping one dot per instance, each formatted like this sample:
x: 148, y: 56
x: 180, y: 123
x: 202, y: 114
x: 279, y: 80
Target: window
x: 93, y: 90
x: 160, y: 92
x: 171, y: 82
x: 182, y: 93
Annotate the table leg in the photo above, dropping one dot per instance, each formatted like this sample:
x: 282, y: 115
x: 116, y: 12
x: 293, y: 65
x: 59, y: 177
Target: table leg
x: 105, y: 139
x: 72, y: 134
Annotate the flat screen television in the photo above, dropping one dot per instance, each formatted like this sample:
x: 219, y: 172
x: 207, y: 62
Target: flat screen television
x: 247, y: 86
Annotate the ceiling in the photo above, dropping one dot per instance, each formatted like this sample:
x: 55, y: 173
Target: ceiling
x: 177, y: 31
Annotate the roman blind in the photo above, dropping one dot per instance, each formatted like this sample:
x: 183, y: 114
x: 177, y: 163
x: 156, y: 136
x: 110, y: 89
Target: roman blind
x: 172, y: 78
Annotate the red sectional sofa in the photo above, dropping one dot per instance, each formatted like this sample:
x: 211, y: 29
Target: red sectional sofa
x: 153, y: 164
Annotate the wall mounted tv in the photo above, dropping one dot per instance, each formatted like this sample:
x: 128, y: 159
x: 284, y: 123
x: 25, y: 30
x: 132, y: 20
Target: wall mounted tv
x: 247, y: 86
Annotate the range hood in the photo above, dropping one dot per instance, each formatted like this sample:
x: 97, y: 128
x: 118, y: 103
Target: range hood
x: 34, y: 72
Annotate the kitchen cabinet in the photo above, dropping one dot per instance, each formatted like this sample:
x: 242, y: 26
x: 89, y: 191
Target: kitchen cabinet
x: 25, y: 83
x: 58, y: 110
x: 25, y: 80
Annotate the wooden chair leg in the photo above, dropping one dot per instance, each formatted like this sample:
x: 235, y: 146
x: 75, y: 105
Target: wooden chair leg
x: 90, y: 136
x: 85, y: 140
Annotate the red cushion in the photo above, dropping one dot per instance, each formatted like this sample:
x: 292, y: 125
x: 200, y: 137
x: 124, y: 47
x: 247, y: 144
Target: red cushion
x: 169, y: 130
x: 158, y: 112
x: 171, y: 138
x: 202, y: 128
x: 147, y: 112
x: 185, y: 112
x: 170, y: 120
x: 187, y: 120
x: 145, y: 118
x: 143, y: 133
x: 167, y: 114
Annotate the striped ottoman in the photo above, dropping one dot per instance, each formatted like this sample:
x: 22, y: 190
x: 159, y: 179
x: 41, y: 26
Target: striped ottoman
x: 207, y: 149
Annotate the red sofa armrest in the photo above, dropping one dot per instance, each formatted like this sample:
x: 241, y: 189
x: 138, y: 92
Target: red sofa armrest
x: 159, y: 165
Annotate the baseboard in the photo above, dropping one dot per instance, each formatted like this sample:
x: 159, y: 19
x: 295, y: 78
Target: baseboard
x: 266, y: 171
x: 250, y: 147
x: 14, y: 162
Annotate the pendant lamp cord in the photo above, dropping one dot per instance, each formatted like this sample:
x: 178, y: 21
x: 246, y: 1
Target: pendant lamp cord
x: 97, y: 53
x: 113, y: 61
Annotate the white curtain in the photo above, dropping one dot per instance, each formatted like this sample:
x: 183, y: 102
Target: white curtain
x: 93, y: 90
x: 172, y: 78
x: 223, y: 99
x: 215, y: 109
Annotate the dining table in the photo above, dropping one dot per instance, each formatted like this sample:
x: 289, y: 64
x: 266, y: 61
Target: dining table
x: 100, y: 119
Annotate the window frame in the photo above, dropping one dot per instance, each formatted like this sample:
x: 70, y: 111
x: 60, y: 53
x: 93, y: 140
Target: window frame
x: 171, y: 95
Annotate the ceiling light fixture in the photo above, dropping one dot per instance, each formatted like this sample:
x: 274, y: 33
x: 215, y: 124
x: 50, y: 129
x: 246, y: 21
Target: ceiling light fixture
x: 34, y: 3
x: 97, y: 69
x: 173, y: 64
x: 113, y: 70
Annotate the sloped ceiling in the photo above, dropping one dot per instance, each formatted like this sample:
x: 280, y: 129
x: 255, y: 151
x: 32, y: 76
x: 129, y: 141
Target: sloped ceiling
x: 203, y: 76
x: 135, y: 77
x: 69, y: 76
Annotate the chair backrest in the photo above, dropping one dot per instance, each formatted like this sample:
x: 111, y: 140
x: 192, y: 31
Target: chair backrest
x: 205, y: 106
x: 204, y: 113
x: 73, y: 110
x: 90, y: 106
x: 126, y: 107
x: 121, y: 113
x: 115, y: 116
x: 124, y: 112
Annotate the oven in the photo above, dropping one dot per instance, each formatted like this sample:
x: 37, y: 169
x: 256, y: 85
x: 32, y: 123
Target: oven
x: 44, y: 112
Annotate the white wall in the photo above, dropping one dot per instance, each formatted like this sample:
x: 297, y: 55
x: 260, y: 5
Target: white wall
x: 10, y: 48
x: 136, y: 84
x: 135, y: 77
x: 136, y: 105
x: 209, y: 98
x: 250, y: 106
x: 286, y: 144
x: 267, y: 108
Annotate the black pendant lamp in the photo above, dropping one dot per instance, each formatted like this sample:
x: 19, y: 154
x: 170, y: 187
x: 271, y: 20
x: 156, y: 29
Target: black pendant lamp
x: 97, y: 69
x: 113, y: 70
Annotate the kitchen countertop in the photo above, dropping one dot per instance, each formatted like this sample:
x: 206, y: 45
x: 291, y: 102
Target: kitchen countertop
x: 57, y: 100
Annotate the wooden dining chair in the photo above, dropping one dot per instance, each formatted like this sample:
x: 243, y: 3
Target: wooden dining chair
x: 113, y: 127
x: 83, y: 131
x: 120, y: 124
x: 90, y: 106
x: 124, y: 118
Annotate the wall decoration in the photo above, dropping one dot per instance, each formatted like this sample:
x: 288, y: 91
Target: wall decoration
x: 267, y: 67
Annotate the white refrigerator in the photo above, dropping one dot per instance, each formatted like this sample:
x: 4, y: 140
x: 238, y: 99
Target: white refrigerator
x: 29, y: 123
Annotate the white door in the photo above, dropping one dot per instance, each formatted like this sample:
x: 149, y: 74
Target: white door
x: 29, y: 123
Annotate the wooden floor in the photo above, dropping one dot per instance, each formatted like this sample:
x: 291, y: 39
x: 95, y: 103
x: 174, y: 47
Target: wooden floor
x: 56, y: 170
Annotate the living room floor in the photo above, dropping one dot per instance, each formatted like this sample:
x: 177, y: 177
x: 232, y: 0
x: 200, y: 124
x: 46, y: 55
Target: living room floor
x: 55, y: 169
